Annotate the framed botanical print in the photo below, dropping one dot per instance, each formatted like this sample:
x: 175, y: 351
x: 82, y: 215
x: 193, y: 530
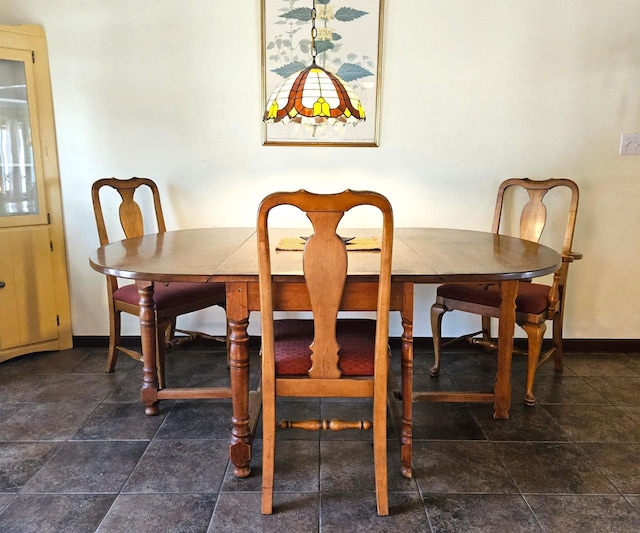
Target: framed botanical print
x: 321, y: 63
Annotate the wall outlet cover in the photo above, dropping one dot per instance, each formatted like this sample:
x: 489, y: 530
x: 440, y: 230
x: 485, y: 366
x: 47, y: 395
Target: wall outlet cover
x: 630, y: 144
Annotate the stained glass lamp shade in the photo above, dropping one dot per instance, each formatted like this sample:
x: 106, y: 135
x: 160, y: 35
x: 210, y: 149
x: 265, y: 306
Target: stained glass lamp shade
x: 313, y: 96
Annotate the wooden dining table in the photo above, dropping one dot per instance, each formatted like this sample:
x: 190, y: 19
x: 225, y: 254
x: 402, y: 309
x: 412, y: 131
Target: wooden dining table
x: 229, y: 255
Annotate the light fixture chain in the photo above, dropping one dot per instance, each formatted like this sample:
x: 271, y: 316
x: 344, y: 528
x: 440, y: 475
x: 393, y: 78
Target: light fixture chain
x: 314, y: 32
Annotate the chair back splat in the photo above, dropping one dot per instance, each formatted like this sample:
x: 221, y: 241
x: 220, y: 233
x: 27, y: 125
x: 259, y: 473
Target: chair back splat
x: 328, y: 355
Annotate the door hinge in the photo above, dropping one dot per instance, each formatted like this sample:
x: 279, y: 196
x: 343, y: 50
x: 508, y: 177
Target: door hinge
x: 51, y: 245
x: 48, y: 218
x: 33, y: 56
x: 58, y: 320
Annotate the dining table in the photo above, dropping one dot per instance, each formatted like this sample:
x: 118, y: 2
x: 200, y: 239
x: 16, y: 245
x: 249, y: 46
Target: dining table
x: 229, y: 255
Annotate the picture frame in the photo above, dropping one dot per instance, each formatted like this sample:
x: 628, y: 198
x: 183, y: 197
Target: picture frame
x: 348, y: 44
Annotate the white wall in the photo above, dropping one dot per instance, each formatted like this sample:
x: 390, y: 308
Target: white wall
x: 474, y: 91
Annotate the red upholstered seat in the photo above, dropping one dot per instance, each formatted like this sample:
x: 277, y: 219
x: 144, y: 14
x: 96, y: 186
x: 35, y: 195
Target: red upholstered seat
x: 356, y: 338
x: 532, y: 297
x: 172, y: 294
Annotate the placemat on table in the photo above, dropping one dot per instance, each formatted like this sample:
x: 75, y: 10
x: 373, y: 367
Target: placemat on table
x: 359, y: 244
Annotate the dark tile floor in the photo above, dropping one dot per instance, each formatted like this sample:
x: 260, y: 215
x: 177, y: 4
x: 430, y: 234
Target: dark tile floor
x: 77, y: 453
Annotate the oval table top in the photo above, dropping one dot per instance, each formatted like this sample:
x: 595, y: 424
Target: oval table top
x: 421, y: 255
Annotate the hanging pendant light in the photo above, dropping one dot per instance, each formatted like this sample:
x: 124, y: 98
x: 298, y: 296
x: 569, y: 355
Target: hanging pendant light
x: 314, y: 95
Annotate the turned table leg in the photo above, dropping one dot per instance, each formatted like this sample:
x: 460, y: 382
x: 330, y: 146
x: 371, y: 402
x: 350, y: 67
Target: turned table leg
x: 238, y: 319
x: 149, y: 392
x: 406, y: 433
x: 502, y: 398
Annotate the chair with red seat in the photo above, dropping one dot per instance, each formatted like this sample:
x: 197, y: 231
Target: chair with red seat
x: 171, y: 299
x: 536, y: 303
x: 328, y: 355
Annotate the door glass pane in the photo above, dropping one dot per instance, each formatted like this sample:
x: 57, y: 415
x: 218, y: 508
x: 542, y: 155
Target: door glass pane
x: 18, y: 191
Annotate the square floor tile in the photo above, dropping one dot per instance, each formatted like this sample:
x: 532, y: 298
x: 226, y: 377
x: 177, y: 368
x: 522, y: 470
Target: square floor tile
x: 45, y: 421
x: 6, y: 499
x: 566, y: 390
x: 88, y: 466
x: 46, y: 362
x: 540, y: 467
x: 620, y: 462
x: 153, y: 513
x: 95, y: 362
x: 53, y: 513
x: 22, y: 387
x: 357, y: 512
x: 524, y: 423
x: 632, y: 360
x: 459, y: 466
x: 470, y: 362
x: 595, y: 423
x: 7, y: 408
x: 241, y: 511
x: 445, y: 421
x: 599, y: 364
x: 618, y: 390
x: 480, y: 513
x: 119, y: 421
x: 202, y: 419
x: 197, y: 361
x: 78, y: 387
x: 547, y: 369
x: 187, y: 466
x: 604, y: 514
x: 20, y: 461
x: 633, y: 412
x: 428, y: 383
x: 346, y: 466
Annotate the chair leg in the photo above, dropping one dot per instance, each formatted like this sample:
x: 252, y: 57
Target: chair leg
x: 114, y: 339
x: 486, y: 330
x: 535, y: 334
x: 170, y: 332
x: 228, y: 343
x: 163, y: 331
x: 380, y: 454
x: 558, y: 354
x: 437, y: 312
x: 268, y: 452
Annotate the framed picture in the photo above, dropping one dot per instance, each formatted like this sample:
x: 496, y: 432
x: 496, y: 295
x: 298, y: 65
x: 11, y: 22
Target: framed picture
x: 344, y: 39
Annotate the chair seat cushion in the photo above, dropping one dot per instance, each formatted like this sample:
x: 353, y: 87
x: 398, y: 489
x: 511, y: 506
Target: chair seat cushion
x: 532, y: 297
x: 173, y: 294
x: 356, y: 338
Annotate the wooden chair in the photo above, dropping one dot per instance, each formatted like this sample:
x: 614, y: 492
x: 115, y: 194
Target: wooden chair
x: 171, y: 299
x: 325, y: 356
x: 536, y: 303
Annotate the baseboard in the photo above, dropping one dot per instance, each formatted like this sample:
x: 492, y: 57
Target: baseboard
x: 569, y: 345
x: 425, y: 343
